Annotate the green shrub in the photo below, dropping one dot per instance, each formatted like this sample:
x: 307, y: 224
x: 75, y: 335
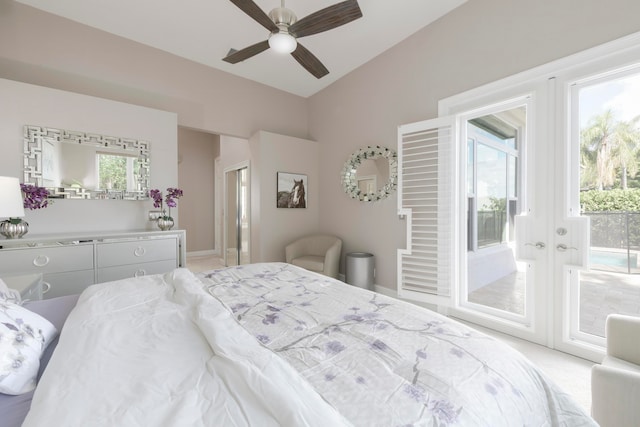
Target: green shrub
x: 610, y: 200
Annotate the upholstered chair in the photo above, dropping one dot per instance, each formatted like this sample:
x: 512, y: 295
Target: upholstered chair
x: 319, y: 253
x: 615, y: 384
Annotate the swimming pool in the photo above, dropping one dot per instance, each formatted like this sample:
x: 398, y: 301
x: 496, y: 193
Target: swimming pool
x: 613, y: 259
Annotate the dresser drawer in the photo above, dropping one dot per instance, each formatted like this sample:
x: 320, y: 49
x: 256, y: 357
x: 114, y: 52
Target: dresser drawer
x: 70, y: 283
x: 29, y: 285
x: 136, y: 252
x: 109, y: 274
x: 48, y: 259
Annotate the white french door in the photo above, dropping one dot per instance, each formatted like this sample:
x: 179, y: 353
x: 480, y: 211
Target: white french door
x: 530, y: 258
x: 505, y: 189
x: 601, y: 152
x: 521, y: 241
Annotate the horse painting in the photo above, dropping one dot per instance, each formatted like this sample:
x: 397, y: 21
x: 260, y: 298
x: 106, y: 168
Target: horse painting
x: 296, y: 198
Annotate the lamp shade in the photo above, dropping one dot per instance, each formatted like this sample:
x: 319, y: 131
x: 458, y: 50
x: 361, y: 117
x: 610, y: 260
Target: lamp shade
x: 11, y: 204
x: 282, y: 42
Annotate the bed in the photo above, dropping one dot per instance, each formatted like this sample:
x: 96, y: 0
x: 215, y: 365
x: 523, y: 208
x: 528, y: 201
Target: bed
x: 274, y: 345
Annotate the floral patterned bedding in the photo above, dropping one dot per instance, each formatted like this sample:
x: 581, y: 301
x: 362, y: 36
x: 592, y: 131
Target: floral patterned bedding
x: 158, y: 351
x: 383, y: 362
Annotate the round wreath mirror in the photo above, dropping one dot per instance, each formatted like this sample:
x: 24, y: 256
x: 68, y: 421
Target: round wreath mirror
x: 370, y: 174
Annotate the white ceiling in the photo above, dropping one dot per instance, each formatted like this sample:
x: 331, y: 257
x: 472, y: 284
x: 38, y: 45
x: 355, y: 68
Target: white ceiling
x: 205, y: 30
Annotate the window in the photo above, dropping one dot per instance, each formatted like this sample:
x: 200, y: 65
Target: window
x: 492, y: 179
x: 117, y: 172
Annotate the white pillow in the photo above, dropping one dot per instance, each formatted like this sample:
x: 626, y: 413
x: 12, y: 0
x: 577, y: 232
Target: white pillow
x: 24, y: 335
x: 8, y: 294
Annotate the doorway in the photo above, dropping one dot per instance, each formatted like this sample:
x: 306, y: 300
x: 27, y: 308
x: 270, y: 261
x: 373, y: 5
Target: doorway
x: 236, y: 215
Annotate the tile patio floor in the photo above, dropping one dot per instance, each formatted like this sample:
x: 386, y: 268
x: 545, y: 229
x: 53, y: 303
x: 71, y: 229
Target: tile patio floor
x: 601, y: 293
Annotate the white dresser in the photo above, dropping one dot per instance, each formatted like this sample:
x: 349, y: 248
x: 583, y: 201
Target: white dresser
x: 30, y: 286
x: 69, y: 263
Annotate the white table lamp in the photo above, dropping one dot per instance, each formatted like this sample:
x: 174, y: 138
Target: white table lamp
x: 11, y: 206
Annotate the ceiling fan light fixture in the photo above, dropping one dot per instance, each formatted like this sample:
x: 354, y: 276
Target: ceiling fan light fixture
x: 284, y: 29
x: 282, y: 42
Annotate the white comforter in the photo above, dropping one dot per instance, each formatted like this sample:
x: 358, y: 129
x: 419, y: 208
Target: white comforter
x: 272, y: 344
x: 159, y: 351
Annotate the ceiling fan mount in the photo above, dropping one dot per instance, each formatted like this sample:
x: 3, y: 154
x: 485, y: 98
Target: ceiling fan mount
x: 285, y: 29
x: 281, y: 16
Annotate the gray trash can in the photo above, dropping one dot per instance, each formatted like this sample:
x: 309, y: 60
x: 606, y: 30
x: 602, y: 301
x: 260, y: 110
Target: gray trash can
x: 360, y: 269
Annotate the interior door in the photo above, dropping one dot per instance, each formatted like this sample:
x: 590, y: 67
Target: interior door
x: 236, y: 216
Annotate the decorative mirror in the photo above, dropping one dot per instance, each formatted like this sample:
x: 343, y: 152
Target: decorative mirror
x: 79, y: 165
x: 370, y: 174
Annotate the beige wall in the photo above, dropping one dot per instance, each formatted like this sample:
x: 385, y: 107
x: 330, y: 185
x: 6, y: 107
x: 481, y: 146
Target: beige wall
x: 24, y: 104
x: 267, y: 154
x: 40, y: 48
x: 233, y: 151
x: 482, y: 41
x: 272, y: 228
x: 197, y: 152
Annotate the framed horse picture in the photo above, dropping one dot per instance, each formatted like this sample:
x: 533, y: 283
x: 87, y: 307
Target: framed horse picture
x: 292, y: 190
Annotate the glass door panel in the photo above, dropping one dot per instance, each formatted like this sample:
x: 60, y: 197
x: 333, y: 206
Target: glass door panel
x: 243, y: 215
x: 231, y: 219
x: 496, y: 282
x: 606, y: 142
x: 237, y: 230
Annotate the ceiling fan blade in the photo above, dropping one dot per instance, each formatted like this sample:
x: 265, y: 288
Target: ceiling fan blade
x: 309, y: 61
x: 254, y: 11
x: 247, y: 52
x: 326, y: 19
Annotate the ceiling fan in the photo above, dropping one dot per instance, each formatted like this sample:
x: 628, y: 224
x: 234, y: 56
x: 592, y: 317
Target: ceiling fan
x: 285, y: 29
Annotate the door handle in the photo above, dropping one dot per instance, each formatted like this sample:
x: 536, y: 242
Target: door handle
x: 538, y: 245
x: 561, y: 247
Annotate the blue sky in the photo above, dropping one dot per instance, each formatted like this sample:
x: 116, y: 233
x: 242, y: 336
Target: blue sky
x: 622, y: 96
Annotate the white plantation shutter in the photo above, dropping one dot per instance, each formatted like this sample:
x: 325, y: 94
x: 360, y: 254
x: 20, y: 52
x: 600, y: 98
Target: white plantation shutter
x: 426, y: 200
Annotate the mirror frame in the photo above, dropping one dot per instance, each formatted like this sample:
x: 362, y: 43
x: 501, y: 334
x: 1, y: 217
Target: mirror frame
x: 34, y: 136
x: 349, y: 173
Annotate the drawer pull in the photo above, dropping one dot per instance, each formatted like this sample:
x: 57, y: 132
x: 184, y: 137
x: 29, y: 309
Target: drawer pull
x: 139, y: 251
x: 139, y: 273
x: 41, y: 260
x: 46, y: 287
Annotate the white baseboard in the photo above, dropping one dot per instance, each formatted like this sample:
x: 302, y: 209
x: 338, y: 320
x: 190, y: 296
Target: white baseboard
x: 209, y: 252
x: 377, y: 288
x: 385, y: 291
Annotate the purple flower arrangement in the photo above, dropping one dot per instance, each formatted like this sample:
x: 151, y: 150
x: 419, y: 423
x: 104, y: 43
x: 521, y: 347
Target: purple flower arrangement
x: 173, y: 194
x: 34, y: 197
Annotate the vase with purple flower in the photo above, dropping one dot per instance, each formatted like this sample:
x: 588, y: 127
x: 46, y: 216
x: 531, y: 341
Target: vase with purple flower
x: 165, y: 221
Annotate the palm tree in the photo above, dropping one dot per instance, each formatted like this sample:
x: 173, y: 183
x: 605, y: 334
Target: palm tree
x: 627, y: 150
x: 608, y: 146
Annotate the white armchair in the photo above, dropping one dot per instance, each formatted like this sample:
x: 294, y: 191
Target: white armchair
x: 615, y: 384
x: 319, y: 253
